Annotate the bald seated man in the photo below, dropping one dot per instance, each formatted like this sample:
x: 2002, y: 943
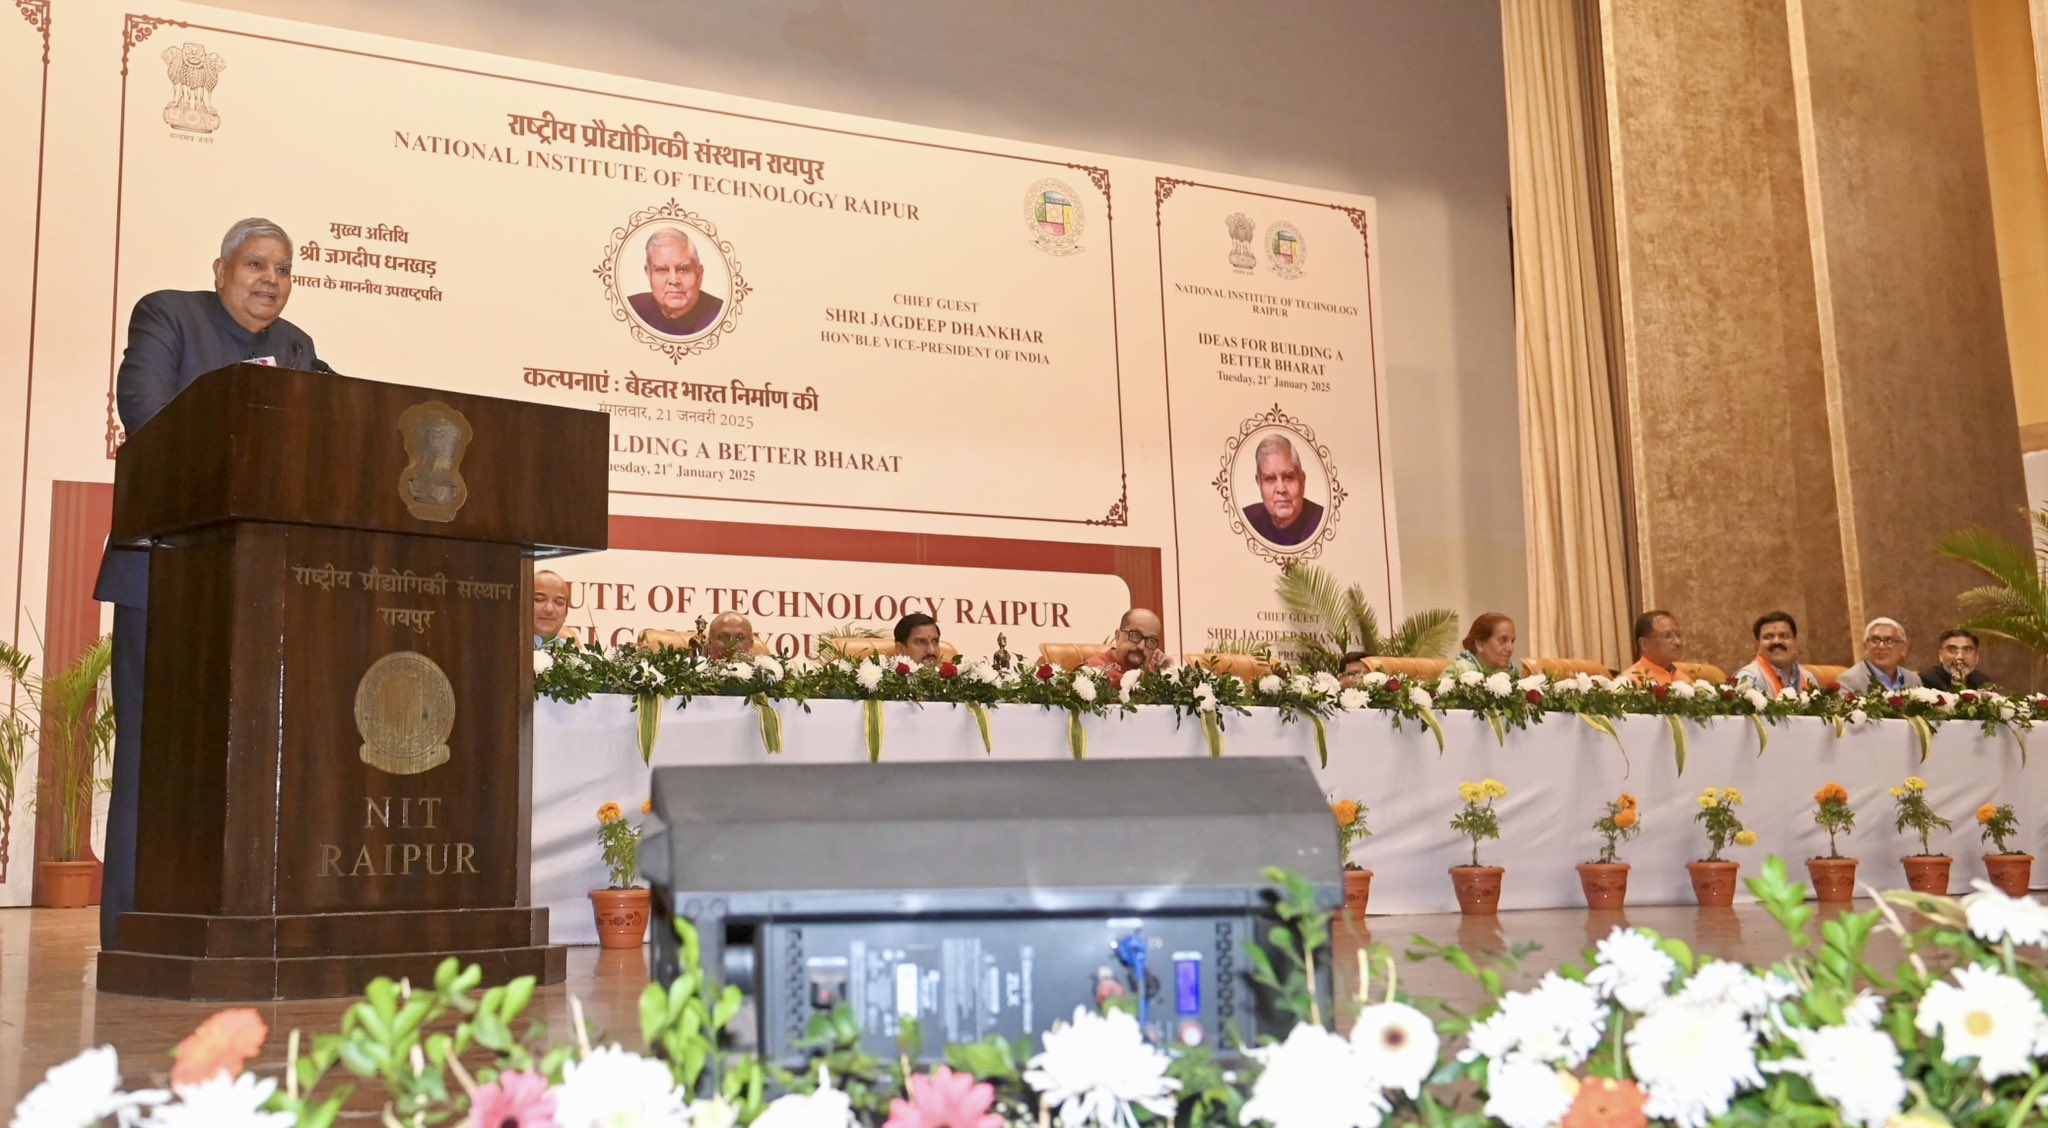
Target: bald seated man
x: 731, y: 637
x: 550, y: 606
x: 1139, y: 644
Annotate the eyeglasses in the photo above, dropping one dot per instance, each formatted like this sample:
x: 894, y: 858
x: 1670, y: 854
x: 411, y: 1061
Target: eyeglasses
x: 1958, y: 648
x: 1883, y: 640
x: 1149, y: 642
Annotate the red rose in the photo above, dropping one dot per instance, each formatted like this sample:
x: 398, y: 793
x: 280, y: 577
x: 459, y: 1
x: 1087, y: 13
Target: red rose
x: 903, y: 667
x: 1535, y: 697
x: 1727, y: 693
x: 1845, y: 691
x: 1895, y: 701
x: 948, y: 671
x: 1967, y: 698
x: 1659, y: 690
x: 1045, y: 672
x: 1393, y: 685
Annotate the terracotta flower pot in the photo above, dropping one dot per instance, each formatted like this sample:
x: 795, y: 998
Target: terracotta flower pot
x: 1927, y: 873
x: 1605, y: 883
x: 621, y: 916
x: 2013, y: 874
x: 1834, y: 879
x: 1357, y: 890
x: 67, y: 885
x: 1478, y: 888
x: 1713, y: 883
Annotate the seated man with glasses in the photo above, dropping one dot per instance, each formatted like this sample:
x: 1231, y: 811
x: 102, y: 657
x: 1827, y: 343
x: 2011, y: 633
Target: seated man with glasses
x: 1958, y: 651
x: 1139, y: 644
x: 1884, y: 656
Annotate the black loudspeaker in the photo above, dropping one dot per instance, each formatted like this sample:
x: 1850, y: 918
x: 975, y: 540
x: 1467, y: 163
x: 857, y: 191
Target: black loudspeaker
x: 986, y: 898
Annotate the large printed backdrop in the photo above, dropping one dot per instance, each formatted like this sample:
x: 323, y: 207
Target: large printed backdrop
x: 1016, y: 387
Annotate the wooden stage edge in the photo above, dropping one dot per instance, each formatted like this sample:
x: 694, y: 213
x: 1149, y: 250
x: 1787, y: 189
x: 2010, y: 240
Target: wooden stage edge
x: 50, y: 1007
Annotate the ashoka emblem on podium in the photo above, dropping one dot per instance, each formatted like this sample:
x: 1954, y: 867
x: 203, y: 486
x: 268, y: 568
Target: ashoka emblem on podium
x: 405, y: 709
x: 436, y: 435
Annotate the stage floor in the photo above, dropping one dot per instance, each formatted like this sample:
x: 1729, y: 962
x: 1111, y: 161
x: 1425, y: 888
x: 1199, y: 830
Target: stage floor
x: 49, y: 1009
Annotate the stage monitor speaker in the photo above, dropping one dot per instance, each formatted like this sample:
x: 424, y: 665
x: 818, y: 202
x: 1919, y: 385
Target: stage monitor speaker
x: 986, y: 898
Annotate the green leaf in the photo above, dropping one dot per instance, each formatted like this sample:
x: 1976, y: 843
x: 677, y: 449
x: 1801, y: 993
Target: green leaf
x: 1763, y: 737
x: 647, y: 723
x: 1322, y: 739
x: 1924, y: 734
x: 1677, y: 726
x: 871, y: 726
x: 1436, y: 727
x: 518, y: 993
x: 771, y: 723
x: 653, y: 1012
x: 1077, y: 737
x: 1212, y: 734
x: 728, y: 1005
x: 976, y: 710
x: 1500, y: 732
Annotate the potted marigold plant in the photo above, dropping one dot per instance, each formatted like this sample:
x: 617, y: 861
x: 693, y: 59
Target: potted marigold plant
x: 2011, y: 873
x: 1926, y: 871
x: 1713, y: 878
x: 1833, y: 877
x: 1350, y: 817
x: 621, y: 909
x: 1478, y: 886
x: 1605, y: 880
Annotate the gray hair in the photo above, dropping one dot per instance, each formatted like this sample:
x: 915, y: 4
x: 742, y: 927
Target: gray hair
x: 1273, y: 444
x: 255, y: 227
x: 672, y: 235
x: 1884, y: 621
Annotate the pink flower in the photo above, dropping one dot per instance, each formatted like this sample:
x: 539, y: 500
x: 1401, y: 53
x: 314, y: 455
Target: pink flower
x: 948, y: 671
x: 514, y: 1100
x: 945, y: 1099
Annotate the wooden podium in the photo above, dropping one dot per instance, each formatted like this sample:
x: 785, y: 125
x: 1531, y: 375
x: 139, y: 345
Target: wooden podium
x: 338, y: 721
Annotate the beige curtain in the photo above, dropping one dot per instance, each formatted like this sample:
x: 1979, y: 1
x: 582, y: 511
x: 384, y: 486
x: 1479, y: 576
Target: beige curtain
x: 1571, y: 473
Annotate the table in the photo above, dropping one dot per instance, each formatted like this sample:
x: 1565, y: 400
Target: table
x: 1558, y: 773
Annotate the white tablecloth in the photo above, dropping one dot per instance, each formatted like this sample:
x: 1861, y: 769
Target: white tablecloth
x: 1558, y: 774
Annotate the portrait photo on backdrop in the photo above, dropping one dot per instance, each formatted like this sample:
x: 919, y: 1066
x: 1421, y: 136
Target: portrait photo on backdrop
x: 686, y: 281
x: 1273, y: 488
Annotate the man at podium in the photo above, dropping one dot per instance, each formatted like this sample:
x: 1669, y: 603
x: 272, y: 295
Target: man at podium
x: 174, y: 337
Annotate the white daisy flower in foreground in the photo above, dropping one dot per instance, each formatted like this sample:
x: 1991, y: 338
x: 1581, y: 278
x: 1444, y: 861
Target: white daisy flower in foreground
x: 614, y: 1086
x: 84, y: 1090
x: 1523, y: 1094
x: 1692, y: 1059
x: 1987, y: 1015
x: 1556, y: 1022
x: 1995, y: 917
x: 1313, y: 1080
x: 222, y: 1102
x: 1098, y: 1066
x: 1857, y: 1068
x: 1631, y: 970
x: 1724, y: 981
x: 1397, y: 1045
x: 825, y: 1108
x: 1864, y: 1011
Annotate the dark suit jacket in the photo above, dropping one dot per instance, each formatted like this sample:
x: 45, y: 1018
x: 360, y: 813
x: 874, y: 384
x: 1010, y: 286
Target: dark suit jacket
x: 700, y: 317
x: 1939, y: 678
x: 175, y: 337
x: 1305, y: 526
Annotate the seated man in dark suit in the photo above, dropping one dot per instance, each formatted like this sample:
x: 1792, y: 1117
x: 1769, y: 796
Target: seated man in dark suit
x: 1960, y: 652
x: 1282, y: 516
x: 675, y: 304
x: 174, y: 337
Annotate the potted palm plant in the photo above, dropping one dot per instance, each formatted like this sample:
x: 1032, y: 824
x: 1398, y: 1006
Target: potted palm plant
x: 1338, y: 619
x: 67, y: 716
x: 2014, y: 605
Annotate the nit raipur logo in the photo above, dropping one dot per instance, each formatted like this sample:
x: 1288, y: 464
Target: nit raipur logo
x: 1052, y: 214
x: 1286, y: 250
x: 194, y: 72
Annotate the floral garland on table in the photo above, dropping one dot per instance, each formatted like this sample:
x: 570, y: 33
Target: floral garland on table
x: 1642, y: 1031
x: 567, y: 670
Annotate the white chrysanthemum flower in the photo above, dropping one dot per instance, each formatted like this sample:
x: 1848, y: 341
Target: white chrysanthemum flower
x: 768, y: 669
x: 1987, y: 1015
x: 1353, y: 699
x: 1374, y: 679
x: 1299, y: 684
x: 1325, y: 683
x: 1084, y: 687
x: 221, y: 1101
x: 614, y: 1086
x: 1312, y: 1080
x: 1397, y: 1045
x: 714, y: 1113
x: 1533, y: 681
x: 1097, y: 1067
x: 1558, y: 1021
x: 825, y: 1108
x: 1858, y: 717
x: 543, y: 658
x: 1205, y: 705
x: 1206, y: 692
x: 1420, y: 697
x: 1692, y: 1059
x: 2007, y: 712
x: 1500, y: 685
x: 1602, y: 681
x: 842, y: 665
x: 1856, y: 1068
x: 84, y: 1090
x: 1996, y: 918
x: 869, y: 675
x: 1631, y: 970
x: 802, y: 664
x: 1865, y: 1011
x: 1524, y: 1094
x: 1471, y: 677
x: 1128, y: 680
x: 1271, y: 683
x: 1736, y: 985
x: 1756, y: 699
x: 1446, y: 684
x: 1683, y: 690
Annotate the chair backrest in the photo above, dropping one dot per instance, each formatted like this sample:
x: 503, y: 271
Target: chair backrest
x: 654, y: 639
x: 1568, y: 667
x: 859, y: 647
x: 1428, y: 669
x: 1704, y: 672
x: 1068, y: 655
x: 1828, y: 676
x: 1242, y: 665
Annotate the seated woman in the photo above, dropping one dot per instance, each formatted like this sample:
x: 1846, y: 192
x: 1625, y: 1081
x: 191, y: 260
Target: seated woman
x: 1489, y: 648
